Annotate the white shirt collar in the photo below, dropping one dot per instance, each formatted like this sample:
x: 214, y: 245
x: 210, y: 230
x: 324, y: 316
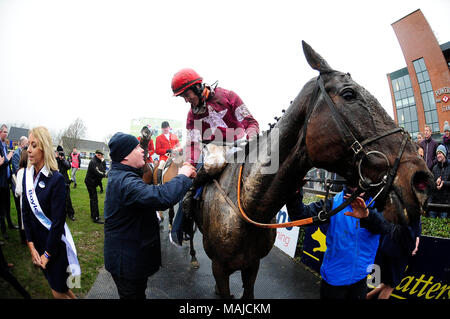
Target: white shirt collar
x: 44, y: 170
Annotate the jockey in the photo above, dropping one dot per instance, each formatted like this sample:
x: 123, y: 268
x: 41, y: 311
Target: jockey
x: 216, y: 114
x: 149, y: 149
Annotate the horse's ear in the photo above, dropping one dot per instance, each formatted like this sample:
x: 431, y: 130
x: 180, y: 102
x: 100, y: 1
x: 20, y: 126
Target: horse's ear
x: 315, y: 60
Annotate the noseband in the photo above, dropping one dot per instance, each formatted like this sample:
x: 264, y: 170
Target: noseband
x: 352, y: 144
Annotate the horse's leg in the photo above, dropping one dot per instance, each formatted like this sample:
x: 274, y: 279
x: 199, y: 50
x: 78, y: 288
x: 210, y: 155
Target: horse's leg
x: 248, y: 280
x: 171, y: 215
x: 222, y: 278
x: 194, y: 261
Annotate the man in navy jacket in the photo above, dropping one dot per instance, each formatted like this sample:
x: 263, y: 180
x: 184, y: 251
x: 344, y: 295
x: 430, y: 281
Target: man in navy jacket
x: 132, y: 243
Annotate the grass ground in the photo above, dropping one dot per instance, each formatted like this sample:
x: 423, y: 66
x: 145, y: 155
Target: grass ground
x: 88, y: 238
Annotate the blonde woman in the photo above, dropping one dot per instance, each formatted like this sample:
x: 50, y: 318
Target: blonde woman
x: 43, y: 206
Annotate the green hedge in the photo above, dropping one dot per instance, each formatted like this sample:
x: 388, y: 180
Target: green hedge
x: 436, y: 227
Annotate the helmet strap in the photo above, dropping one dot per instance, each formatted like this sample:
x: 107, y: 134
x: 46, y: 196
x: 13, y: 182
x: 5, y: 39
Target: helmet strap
x: 205, y: 93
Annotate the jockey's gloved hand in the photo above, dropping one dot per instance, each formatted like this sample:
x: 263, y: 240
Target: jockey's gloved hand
x: 169, y: 151
x: 241, y: 142
x: 251, y: 133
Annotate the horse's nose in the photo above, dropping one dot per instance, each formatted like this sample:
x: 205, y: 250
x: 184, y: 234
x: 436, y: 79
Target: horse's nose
x: 423, y: 184
x: 422, y: 181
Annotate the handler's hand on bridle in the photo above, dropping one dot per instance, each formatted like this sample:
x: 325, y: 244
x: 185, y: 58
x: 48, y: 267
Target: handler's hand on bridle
x: 187, y: 170
x: 359, y: 207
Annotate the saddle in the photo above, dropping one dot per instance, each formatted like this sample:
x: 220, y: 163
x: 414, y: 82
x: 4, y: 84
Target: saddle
x: 163, y: 170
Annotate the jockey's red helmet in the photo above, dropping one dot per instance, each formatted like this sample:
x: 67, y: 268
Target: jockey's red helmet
x: 184, y: 79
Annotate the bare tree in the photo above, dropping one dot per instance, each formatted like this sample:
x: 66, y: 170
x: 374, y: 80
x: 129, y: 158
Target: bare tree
x: 107, y: 138
x: 74, y: 133
x: 57, y: 136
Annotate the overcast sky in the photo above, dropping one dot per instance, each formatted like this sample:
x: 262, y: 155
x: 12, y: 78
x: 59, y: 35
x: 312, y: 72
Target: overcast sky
x: 108, y: 62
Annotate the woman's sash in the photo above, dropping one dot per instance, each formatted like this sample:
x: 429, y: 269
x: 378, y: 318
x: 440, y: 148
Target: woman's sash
x: 74, y: 265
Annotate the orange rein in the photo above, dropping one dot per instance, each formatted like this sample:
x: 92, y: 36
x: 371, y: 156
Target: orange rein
x: 300, y: 222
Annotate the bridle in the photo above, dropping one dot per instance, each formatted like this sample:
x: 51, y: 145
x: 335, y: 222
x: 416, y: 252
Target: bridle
x: 351, y: 143
x: 360, y: 154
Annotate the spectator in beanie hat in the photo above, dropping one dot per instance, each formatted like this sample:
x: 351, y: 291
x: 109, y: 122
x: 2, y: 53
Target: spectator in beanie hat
x: 446, y: 137
x: 441, y: 172
x: 120, y: 145
x: 132, y: 249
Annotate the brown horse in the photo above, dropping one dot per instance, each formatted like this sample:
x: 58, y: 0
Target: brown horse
x: 301, y: 140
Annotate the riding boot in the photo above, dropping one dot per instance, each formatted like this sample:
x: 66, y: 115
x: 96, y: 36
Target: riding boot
x: 189, y: 201
x: 159, y: 176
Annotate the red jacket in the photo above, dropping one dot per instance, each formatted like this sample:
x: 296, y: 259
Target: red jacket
x: 163, y: 144
x: 151, y: 150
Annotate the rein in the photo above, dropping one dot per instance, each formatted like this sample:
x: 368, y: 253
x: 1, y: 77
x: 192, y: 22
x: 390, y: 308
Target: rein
x: 321, y: 217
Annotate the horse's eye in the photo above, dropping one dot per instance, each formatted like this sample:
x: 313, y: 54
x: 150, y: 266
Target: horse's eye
x: 348, y: 94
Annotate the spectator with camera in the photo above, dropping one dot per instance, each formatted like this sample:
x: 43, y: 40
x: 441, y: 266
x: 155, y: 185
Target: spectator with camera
x: 63, y: 167
x: 102, y: 169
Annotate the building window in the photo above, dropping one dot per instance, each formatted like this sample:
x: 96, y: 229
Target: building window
x: 426, y: 90
x: 405, y: 104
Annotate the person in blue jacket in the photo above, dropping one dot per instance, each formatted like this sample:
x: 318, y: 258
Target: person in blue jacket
x: 132, y: 249
x: 352, y: 242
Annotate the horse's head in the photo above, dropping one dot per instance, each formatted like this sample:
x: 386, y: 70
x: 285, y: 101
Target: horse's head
x: 348, y: 132
x: 146, y: 132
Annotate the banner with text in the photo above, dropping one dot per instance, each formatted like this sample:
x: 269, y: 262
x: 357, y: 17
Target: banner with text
x: 286, y: 238
x: 426, y: 277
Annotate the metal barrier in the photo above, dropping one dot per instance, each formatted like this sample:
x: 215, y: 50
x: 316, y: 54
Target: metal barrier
x: 319, y: 188
x: 317, y: 192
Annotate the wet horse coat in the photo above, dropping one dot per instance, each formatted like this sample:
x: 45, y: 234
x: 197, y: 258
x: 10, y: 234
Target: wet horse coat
x: 233, y: 244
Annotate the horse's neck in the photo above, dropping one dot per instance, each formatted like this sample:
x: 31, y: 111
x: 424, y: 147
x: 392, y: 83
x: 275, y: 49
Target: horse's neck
x: 269, y: 181
x: 144, y: 144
